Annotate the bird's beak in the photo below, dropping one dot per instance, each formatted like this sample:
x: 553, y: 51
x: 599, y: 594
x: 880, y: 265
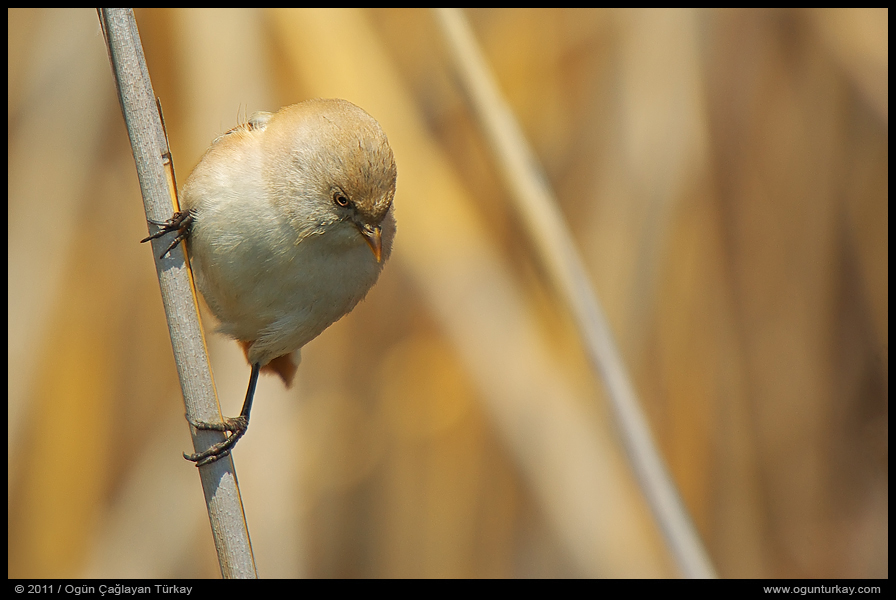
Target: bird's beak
x: 374, y: 238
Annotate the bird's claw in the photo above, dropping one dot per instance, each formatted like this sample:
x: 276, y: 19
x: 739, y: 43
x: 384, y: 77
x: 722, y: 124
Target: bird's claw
x: 181, y: 222
x: 235, y: 426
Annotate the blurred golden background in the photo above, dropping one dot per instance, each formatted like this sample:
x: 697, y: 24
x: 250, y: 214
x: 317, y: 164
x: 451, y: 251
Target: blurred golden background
x: 725, y: 175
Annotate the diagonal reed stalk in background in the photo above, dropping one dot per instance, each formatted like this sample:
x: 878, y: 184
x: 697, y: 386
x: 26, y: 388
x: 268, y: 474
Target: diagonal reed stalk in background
x: 535, y: 203
x: 150, y: 148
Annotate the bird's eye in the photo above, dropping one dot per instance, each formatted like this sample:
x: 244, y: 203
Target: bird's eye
x: 341, y: 199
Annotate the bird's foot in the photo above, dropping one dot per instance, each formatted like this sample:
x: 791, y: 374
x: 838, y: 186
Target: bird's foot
x: 181, y: 222
x: 236, y: 427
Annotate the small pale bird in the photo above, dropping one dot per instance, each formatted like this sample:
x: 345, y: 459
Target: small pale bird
x: 288, y: 220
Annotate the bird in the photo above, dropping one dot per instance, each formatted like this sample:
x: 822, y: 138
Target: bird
x: 288, y: 220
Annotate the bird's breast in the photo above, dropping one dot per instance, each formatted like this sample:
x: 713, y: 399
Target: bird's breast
x: 276, y: 284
